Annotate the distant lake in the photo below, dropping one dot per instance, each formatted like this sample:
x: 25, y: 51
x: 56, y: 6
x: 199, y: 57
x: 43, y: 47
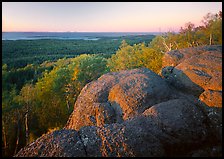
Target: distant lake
x: 68, y: 35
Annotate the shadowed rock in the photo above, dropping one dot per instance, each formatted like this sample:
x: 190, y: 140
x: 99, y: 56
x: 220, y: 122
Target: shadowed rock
x: 166, y: 127
x: 196, y: 70
x: 60, y: 143
x: 181, y: 81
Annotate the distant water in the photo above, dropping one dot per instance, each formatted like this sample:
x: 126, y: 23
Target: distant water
x: 67, y: 35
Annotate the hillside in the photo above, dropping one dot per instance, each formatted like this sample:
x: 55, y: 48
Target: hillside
x: 139, y: 113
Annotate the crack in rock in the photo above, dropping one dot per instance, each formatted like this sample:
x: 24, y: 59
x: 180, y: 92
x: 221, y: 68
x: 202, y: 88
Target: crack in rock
x: 84, y: 142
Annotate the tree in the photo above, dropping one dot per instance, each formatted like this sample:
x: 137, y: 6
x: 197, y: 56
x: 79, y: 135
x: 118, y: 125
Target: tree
x: 89, y: 68
x: 213, y: 27
x: 11, y: 122
x: 26, y: 98
x: 50, y: 109
x: 136, y: 56
x: 188, y: 34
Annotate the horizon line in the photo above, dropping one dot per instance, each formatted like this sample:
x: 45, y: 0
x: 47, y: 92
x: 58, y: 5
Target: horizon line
x: 87, y: 31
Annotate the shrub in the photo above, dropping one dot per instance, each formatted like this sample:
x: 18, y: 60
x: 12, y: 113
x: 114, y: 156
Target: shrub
x: 138, y: 55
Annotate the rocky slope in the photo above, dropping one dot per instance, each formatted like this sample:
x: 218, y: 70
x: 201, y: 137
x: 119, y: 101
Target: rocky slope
x: 139, y: 113
x: 195, y: 70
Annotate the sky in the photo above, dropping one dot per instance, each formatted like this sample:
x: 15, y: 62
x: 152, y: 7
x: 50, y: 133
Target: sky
x: 103, y: 16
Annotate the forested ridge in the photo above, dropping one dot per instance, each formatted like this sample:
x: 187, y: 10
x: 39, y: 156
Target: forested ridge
x: 41, y: 79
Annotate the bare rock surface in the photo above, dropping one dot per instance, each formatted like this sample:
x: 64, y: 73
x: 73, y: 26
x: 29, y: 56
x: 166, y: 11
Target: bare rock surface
x: 157, y: 132
x: 175, y: 57
x: 197, y: 71
x: 60, y: 143
x: 116, y: 97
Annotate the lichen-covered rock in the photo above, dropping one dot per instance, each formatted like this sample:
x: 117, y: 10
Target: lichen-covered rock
x: 205, y: 70
x: 60, y: 143
x: 197, y: 71
x: 170, y: 128
x: 116, y: 97
x: 177, y: 117
x: 175, y: 57
x: 181, y: 81
x: 211, y: 98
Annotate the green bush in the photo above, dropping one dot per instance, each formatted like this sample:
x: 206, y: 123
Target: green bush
x: 138, y: 55
x: 88, y: 68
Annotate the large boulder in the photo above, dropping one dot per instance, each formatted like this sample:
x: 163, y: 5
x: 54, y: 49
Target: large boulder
x: 119, y: 96
x: 197, y: 71
x: 169, y: 128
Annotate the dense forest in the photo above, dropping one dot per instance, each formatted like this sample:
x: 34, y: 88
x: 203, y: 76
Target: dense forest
x: 19, y: 53
x: 41, y: 79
